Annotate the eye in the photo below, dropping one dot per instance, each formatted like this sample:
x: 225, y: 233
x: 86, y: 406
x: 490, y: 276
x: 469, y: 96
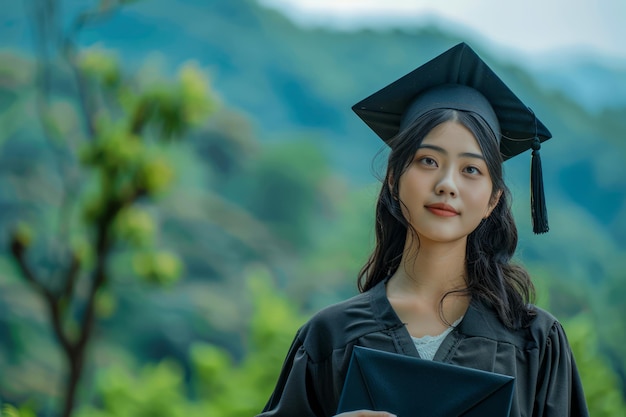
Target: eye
x: 427, y: 161
x: 472, y: 170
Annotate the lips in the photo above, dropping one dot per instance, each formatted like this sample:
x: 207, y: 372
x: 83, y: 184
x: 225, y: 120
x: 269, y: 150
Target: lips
x: 443, y: 210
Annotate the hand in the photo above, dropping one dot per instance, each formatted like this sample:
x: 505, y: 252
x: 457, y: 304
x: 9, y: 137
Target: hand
x: 366, y: 413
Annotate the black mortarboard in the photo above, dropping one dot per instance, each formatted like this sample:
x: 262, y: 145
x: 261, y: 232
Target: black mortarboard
x: 458, y: 79
x: 408, y: 386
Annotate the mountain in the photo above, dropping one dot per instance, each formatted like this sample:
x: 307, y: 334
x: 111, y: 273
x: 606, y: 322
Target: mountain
x: 594, y: 84
x: 293, y: 82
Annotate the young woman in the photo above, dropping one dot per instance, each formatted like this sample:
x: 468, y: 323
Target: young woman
x: 440, y: 283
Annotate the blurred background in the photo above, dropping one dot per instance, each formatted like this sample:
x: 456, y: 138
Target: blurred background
x: 183, y: 183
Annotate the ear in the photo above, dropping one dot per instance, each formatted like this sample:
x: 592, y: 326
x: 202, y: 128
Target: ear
x: 493, y: 203
x: 390, y: 184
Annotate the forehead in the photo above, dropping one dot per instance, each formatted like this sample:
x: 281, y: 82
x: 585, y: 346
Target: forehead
x: 452, y: 136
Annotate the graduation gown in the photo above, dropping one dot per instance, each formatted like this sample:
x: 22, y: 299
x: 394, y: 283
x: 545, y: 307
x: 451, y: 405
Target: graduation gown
x: 547, y: 383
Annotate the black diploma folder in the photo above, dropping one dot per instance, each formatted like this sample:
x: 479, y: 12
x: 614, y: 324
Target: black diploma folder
x: 412, y: 387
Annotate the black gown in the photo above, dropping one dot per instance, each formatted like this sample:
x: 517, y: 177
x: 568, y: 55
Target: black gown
x: 538, y: 356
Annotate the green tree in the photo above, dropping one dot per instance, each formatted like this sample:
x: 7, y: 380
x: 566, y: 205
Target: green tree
x: 223, y: 386
x: 240, y: 388
x: 600, y: 382
x: 113, y: 162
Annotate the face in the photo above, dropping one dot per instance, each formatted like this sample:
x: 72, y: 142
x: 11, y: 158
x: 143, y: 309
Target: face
x: 446, y: 190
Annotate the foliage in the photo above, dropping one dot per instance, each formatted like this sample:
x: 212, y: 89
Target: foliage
x: 226, y: 387
x: 279, y: 176
x: 601, y: 384
x: 285, y: 187
x: 123, y: 155
x: 222, y: 386
x: 241, y: 388
x: 9, y: 410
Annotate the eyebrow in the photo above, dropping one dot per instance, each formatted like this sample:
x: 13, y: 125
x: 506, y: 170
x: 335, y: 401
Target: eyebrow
x: 445, y: 152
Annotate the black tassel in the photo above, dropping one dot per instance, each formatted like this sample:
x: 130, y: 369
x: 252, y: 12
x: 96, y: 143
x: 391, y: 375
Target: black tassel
x: 537, y: 197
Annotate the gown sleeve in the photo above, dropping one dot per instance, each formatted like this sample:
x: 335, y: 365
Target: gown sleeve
x: 295, y: 392
x: 560, y: 391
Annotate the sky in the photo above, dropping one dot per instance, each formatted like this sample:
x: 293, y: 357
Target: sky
x: 532, y: 27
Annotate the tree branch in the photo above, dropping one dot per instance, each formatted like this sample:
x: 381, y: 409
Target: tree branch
x: 72, y: 275
x: 104, y: 242
x: 69, y: 51
x: 45, y: 29
x: 51, y: 301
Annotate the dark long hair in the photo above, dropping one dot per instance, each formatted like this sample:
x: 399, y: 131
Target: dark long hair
x: 491, y: 275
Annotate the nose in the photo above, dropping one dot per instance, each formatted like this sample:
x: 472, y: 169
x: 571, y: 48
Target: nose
x: 447, y: 185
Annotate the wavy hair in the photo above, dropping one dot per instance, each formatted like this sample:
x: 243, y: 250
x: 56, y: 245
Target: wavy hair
x: 491, y: 275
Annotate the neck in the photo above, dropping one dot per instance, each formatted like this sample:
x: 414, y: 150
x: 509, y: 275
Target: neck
x: 432, y: 269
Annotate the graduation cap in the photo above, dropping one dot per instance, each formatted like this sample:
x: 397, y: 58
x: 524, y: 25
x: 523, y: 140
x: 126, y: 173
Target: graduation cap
x: 408, y: 386
x: 459, y: 79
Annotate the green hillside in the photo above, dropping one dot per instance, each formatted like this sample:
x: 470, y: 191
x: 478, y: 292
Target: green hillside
x: 262, y: 207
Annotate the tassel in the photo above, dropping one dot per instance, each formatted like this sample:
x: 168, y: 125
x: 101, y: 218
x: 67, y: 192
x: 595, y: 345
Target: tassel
x: 537, y: 197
